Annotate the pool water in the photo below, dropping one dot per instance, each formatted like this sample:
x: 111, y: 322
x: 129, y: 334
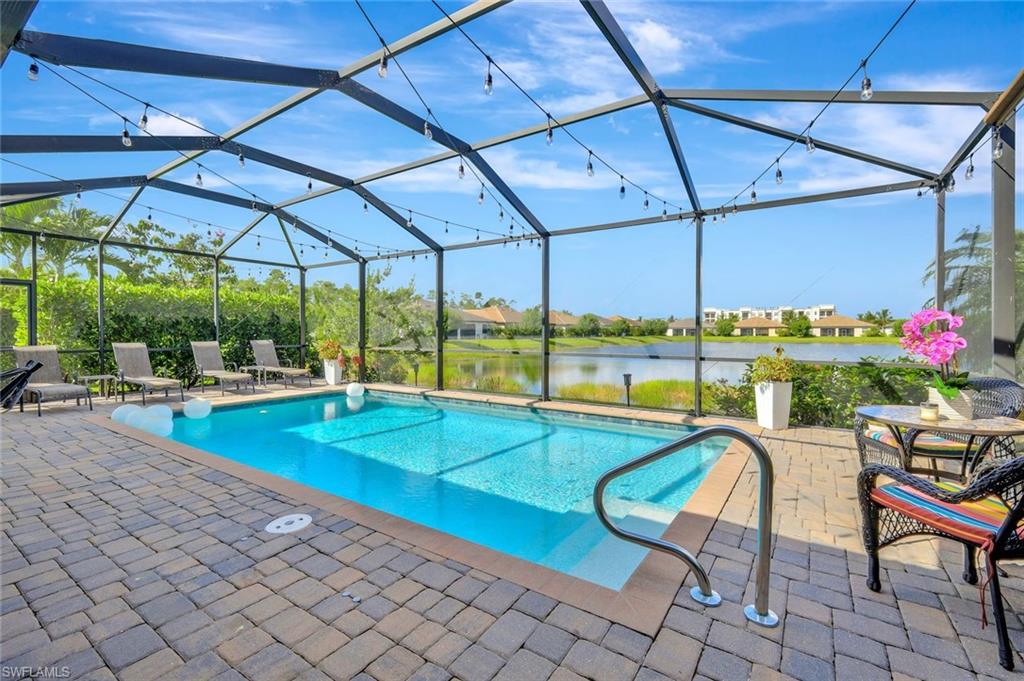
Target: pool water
x: 515, y: 480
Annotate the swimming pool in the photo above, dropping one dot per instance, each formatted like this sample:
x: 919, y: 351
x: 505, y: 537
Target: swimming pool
x: 516, y: 480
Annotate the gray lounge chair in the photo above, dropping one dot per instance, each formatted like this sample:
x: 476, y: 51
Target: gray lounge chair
x: 47, y: 383
x: 133, y: 367
x: 210, y: 363
x: 265, y: 353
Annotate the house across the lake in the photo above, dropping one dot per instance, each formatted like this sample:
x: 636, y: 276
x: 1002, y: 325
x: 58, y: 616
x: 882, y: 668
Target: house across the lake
x: 482, y: 322
x: 682, y: 327
x: 758, y: 326
x: 839, y: 325
x: 814, y: 312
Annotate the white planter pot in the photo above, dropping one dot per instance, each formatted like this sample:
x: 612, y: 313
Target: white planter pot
x: 773, y: 402
x: 960, y: 407
x: 333, y: 372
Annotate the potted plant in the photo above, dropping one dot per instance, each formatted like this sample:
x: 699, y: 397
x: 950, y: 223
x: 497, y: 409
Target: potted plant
x: 334, y: 360
x: 772, y: 376
x: 931, y: 334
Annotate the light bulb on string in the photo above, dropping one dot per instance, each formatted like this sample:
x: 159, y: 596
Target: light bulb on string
x: 735, y: 209
x: 478, y: 235
x: 257, y: 242
x: 664, y: 211
x: 997, y: 145
x: 778, y: 172
x: 408, y: 222
x: 951, y: 184
x: 590, y: 163
x: 647, y: 202
x: 427, y: 132
x: 622, y: 187
x: 920, y: 193
x: 253, y: 206
x: 126, y: 139
x: 866, y: 92
x: 33, y: 71
x: 327, y: 252
x: 382, y: 67
x: 462, y: 169
x: 309, y: 184
x: 480, y: 197
x: 199, y: 179
x: 366, y: 209
x: 501, y: 213
x: 144, y: 118
x: 302, y: 251
x: 753, y: 193
x: 445, y: 226
x: 149, y: 217
x: 78, y: 193
x: 723, y: 214
x: 241, y: 160
x: 810, y: 145
x: 550, y: 137
x: 969, y: 173
x: 488, y: 80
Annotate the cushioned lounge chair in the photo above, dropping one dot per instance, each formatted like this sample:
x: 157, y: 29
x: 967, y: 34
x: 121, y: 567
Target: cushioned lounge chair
x: 133, y: 367
x: 47, y: 382
x: 210, y: 364
x: 265, y: 353
x: 986, y: 515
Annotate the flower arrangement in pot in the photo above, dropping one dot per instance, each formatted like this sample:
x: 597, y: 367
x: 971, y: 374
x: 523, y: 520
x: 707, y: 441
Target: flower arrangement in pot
x: 930, y: 334
x: 333, y: 357
x: 772, y: 376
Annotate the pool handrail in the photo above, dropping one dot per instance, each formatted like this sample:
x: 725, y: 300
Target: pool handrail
x: 758, y: 612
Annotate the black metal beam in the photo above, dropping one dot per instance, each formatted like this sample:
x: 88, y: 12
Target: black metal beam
x: 905, y: 97
x: 14, y: 14
x: 617, y: 38
x: 19, y: 192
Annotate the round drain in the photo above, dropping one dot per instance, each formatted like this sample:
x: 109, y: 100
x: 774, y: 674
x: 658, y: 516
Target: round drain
x: 289, y: 523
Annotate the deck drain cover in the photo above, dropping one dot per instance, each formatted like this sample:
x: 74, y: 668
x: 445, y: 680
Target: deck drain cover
x: 289, y: 523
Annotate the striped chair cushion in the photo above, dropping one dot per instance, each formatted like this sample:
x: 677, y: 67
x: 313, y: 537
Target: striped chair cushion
x: 973, y: 521
x: 925, y: 442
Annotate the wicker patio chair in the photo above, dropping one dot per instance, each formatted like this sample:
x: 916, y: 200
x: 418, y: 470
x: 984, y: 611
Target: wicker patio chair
x: 210, y: 363
x: 265, y: 353
x: 992, y: 397
x: 133, y: 367
x: 986, y: 515
x: 47, y: 383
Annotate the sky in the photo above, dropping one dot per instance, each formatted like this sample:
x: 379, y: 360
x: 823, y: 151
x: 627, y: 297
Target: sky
x: 860, y: 254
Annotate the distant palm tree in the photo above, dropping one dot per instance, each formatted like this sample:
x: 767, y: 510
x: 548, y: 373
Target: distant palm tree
x: 30, y: 216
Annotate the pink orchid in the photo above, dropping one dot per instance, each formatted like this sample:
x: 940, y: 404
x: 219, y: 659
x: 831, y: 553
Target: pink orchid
x: 929, y: 334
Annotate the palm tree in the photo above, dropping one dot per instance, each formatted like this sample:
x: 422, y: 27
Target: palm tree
x: 16, y: 248
x: 59, y: 255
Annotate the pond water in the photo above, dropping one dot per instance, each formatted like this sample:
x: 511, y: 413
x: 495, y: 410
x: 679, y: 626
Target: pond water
x: 571, y: 369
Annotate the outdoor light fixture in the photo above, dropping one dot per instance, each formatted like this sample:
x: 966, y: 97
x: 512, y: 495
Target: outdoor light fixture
x: 866, y: 92
x: 551, y: 134
x: 664, y: 211
x: 478, y: 235
x: 258, y: 242
x: 78, y: 193
x: 590, y: 164
x: 253, y: 206
x: 241, y: 160
x: 309, y: 184
x: 622, y: 187
x: 480, y: 197
x: 199, y: 179
x: 951, y: 184
x: 488, y: 80
x: 627, y: 380
x: 33, y: 71
x: 445, y: 226
x: 150, y: 216
x: 462, y: 169
x: 366, y: 209
x: 382, y: 68
x: 144, y: 118
x: 427, y: 132
x: 408, y: 223
x: 647, y: 203
x: 501, y: 215
x: 969, y: 173
x: 723, y: 214
x: 753, y: 192
x: 735, y: 209
x: 126, y: 139
x: 997, y: 142
x: 778, y: 172
x: 810, y: 145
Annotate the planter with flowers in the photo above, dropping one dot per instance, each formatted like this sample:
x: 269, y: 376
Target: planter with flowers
x: 930, y: 334
x: 333, y: 357
x: 772, y: 377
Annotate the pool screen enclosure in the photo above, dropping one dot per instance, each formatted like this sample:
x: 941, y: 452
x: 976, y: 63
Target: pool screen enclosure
x: 996, y: 122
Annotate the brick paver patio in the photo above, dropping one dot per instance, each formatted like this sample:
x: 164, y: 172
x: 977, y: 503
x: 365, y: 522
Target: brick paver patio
x: 122, y: 561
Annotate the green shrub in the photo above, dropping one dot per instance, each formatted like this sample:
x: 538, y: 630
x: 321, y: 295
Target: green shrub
x: 663, y: 394
x: 496, y: 383
x: 592, y: 392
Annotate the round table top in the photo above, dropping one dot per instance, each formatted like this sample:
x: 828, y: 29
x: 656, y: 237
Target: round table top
x: 910, y: 417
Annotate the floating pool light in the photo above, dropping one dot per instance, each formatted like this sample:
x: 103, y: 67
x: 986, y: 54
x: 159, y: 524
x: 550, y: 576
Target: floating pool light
x: 198, y: 408
x: 355, y: 390
x: 121, y: 414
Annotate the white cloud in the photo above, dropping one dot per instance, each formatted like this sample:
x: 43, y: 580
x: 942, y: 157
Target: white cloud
x: 162, y: 124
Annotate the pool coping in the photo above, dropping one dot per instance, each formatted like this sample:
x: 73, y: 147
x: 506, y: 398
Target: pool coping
x: 640, y: 604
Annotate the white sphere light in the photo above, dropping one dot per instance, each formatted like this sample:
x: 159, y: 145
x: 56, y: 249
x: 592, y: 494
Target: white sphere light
x: 198, y: 408
x: 121, y: 414
x: 160, y: 411
x: 158, y: 426
x: 355, y: 403
x: 136, y: 419
x: 355, y: 390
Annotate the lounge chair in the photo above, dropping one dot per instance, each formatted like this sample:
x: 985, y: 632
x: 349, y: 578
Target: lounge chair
x: 983, y: 515
x: 265, y: 353
x: 13, y: 383
x: 133, y: 367
x: 210, y: 363
x: 47, y: 382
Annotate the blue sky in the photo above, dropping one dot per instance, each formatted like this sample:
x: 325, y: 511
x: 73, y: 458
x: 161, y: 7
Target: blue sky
x: 860, y: 254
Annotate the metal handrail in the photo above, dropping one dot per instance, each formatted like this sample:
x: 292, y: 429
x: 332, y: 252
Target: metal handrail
x: 759, y: 611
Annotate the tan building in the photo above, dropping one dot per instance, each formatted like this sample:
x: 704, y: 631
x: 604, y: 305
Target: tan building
x: 757, y: 326
x: 562, y: 320
x: 481, y: 323
x: 839, y: 325
x: 682, y: 327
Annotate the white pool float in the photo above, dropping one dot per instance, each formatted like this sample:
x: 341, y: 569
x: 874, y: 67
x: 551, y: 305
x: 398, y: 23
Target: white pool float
x: 198, y: 408
x: 121, y: 414
x: 355, y: 403
x: 355, y: 390
x: 158, y: 426
x: 160, y: 411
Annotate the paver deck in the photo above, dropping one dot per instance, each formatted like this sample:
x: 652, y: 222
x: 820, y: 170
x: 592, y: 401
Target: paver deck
x: 120, y: 560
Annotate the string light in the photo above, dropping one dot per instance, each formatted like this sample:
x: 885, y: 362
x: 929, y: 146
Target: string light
x: 241, y: 160
x: 997, y: 145
x: 866, y: 92
x: 969, y: 173
x: 408, y: 223
x: 810, y: 145
x: 647, y: 203
x: 478, y: 235
x: 199, y: 179
x: 78, y: 193
x: 382, y: 67
x: 126, y: 139
x: 366, y: 209
x: 488, y: 80
x: 144, y: 118
x: 501, y: 214
x: 309, y: 184
x: 33, y: 71
x: 664, y: 211
x: 480, y: 197
x: 551, y: 134
x: 622, y: 187
x: 258, y: 242
x: 462, y: 169
x: 951, y: 184
x: 778, y: 172
x: 590, y: 163
x: 427, y: 132
x: 753, y: 193
x: 253, y: 206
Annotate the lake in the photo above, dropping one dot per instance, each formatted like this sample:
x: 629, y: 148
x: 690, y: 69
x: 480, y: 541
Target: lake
x: 568, y: 368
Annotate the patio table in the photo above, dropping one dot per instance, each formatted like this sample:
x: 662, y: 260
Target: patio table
x: 984, y: 431
x: 259, y: 370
